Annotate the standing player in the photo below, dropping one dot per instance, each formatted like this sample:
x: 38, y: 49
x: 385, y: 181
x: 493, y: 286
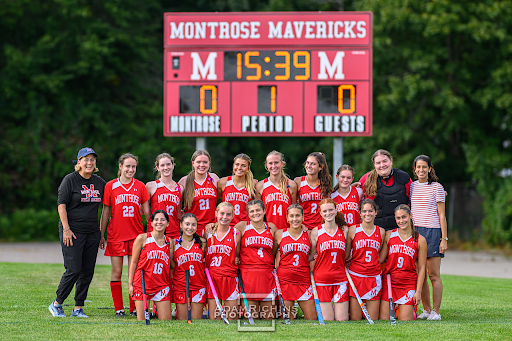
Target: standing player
x: 200, y: 190
x: 239, y: 188
x: 347, y: 197
x: 222, y: 250
x: 365, y: 241
x: 257, y: 254
x: 313, y: 187
x: 165, y: 193
x: 152, y: 253
x: 387, y: 186
x: 277, y: 191
x: 428, y: 208
x: 404, y: 247
x: 328, y: 243
x: 189, y: 255
x: 292, y: 262
x: 124, y: 197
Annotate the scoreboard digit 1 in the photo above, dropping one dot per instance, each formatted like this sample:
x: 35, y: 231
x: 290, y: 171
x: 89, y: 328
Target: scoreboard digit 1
x: 268, y: 74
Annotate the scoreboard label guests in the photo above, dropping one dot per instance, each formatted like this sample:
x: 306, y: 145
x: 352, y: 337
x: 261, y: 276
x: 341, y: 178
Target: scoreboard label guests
x: 268, y: 74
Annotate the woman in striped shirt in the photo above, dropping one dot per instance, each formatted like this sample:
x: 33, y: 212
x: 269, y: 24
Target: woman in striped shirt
x: 428, y: 211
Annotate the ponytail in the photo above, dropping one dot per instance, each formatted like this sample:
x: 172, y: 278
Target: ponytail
x: 341, y: 169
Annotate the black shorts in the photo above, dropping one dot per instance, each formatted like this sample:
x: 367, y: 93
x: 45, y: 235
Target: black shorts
x: 433, y: 237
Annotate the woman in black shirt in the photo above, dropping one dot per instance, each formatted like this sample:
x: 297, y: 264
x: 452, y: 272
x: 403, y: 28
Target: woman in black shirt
x: 80, y: 195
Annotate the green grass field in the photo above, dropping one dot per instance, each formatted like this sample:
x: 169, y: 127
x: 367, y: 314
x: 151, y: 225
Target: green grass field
x: 473, y: 309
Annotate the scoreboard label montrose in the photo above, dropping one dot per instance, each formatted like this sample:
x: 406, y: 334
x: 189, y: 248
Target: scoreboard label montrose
x: 268, y: 74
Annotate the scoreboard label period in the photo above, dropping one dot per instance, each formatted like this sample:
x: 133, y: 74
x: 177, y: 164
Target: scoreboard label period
x: 268, y: 74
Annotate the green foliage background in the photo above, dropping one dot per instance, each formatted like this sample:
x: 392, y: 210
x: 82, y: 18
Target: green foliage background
x: 80, y: 73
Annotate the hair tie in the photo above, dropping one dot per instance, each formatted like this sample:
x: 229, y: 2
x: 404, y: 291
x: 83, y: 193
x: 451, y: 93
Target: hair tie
x: 179, y: 240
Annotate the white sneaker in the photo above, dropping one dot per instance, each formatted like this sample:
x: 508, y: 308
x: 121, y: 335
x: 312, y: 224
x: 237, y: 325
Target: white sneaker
x: 173, y: 312
x: 424, y: 315
x: 434, y: 316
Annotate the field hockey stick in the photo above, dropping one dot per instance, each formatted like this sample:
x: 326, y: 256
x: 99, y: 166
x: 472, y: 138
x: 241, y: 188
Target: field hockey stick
x: 189, y: 308
x: 392, y: 319
x: 144, y: 298
x: 280, y: 295
x: 317, y: 302
x: 249, y: 315
x: 217, y: 301
x: 363, y: 307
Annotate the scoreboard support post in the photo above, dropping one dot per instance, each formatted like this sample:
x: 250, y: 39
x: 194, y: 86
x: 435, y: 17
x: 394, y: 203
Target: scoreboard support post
x: 200, y: 142
x: 337, y: 152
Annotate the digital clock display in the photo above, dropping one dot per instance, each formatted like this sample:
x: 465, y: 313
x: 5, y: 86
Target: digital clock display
x: 267, y: 65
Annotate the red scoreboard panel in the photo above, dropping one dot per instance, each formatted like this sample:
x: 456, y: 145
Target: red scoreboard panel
x: 268, y: 74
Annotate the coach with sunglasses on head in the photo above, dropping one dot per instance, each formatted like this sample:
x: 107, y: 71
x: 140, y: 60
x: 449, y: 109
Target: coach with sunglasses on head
x: 80, y: 195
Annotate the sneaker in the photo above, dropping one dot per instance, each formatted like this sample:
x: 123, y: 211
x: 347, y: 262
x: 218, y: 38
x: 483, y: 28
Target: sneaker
x: 134, y: 313
x: 56, y: 310
x: 78, y: 313
x: 434, y: 316
x: 205, y: 313
x: 173, y: 312
x: 424, y: 315
x: 120, y: 313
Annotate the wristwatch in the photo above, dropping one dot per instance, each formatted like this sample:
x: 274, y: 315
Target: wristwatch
x: 445, y: 238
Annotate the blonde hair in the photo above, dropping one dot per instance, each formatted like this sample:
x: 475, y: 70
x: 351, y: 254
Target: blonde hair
x: 341, y: 169
x: 219, y: 206
x: 188, y: 193
x: 123, y: 158
x: 160, y: 157
x: 283, y: 182
x: 370, y: 185
x: 249, y: 177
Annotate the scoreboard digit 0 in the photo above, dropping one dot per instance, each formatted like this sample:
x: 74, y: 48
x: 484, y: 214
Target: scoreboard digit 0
x: 268, y: 74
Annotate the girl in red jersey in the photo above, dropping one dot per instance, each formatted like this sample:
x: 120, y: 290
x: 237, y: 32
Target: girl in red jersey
x: 165, y: 193
x: 328, y: 243
x: 200, y: 190
x: 365, y: 242
x: 189, y: 255
x: 122, y: 202
x: 152, y: 253
x: 239, y: 188
x: 222, y: 254
x: 257, y: 255
x: 347, y: 197
x: 292, y: 262
x: 403, y: 247
x: 277, y: 191
x: 313, y: 187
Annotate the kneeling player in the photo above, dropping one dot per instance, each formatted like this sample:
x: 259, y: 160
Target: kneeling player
x: 403, y: 247
x: 152, y: 253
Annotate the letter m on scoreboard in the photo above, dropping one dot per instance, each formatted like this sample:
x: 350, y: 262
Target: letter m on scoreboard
x: 268, y: 74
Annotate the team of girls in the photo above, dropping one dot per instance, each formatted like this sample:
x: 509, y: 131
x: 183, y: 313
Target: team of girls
x: 324, y: 228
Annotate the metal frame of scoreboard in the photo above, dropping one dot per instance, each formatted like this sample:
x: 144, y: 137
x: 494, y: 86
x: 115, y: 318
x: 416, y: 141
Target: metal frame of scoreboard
x: 268, y: 74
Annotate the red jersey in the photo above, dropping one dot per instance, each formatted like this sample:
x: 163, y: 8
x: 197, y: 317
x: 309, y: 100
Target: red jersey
x: 256, y: 248
x: 294, y: 262
x: 276, y: 203
x: 204, y: 204
x: 349, y: 205
x: 154, y: 260
x: 169, y: 201
x: 220, y: 255
x: 192, y: 260
x: 238, y: 198
x: 402, y: 255
x: 124, y: 202
x: 309, y: 198
x: 330, y: 261
x: 365, y: 252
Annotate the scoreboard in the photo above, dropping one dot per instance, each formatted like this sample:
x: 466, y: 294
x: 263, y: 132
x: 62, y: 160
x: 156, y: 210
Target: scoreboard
x: 268, y: 74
